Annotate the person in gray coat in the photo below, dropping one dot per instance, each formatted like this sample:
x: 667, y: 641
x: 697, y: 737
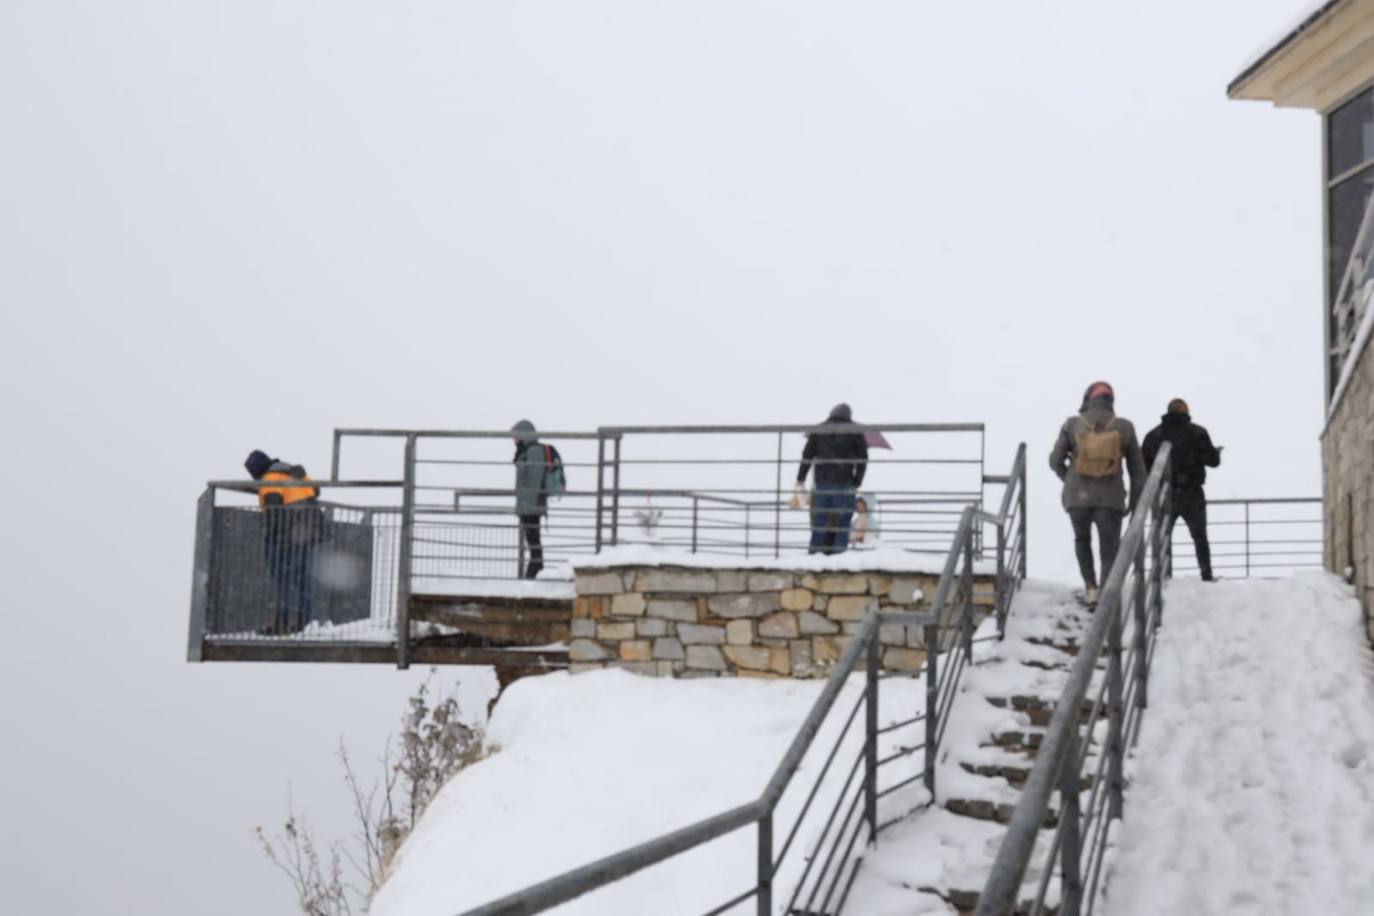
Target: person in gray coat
x: 531, y: 495
x: 1088, y: 456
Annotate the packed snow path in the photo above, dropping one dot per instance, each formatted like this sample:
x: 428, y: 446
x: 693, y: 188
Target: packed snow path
x: 1252, y: 787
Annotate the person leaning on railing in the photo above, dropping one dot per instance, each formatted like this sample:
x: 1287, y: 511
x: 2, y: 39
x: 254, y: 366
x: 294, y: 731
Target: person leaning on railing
x: 841, y: 460
x: 1192, y: 454
x: 1088, y: 457
x: 292, y: 526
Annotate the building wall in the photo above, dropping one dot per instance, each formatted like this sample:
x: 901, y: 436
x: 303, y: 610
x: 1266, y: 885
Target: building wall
x: 1348, y: 485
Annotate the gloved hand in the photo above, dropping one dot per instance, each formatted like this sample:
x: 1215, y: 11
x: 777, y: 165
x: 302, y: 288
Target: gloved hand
x: 798, y: 497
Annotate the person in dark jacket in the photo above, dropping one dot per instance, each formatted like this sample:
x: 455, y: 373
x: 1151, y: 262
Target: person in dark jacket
x: 840, y: 460
x: 1191, y: 455
x: 293, y: 524
x: 1088, y: 456
x: 531, y: 492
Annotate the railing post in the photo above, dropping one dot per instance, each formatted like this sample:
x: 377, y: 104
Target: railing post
x: 1002, y: 598
x: 1141, y: 617
x: 615, y: 497
x: 777, y: 504
x: 1115, y: 707
x: 1247, y: 539
x: 1021, y: 522
x: 600, y: 486
x: 1071, y: 855
x: 695, y: 508
x: 765, y: 895
x: 200, y: 575
x: 967, y: 626
x: 871, y: 737
x: 334, y: 456
x: 932, y: 700
x: 405, y: 558
x: 520, y: 551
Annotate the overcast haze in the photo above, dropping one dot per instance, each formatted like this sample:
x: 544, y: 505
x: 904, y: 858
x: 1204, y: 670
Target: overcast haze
x: 236, y: 226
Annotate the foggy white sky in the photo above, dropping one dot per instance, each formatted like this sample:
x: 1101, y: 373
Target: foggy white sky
x: 240, y: 225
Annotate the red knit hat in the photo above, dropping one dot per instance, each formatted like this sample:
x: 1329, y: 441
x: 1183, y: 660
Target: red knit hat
x: 1100, y: 390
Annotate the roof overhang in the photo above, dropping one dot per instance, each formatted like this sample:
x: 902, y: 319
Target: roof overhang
x: 1316, y: 65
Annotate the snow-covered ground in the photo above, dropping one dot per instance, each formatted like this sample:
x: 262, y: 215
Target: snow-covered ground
x: 588, y: 765
x: 1252, y: 788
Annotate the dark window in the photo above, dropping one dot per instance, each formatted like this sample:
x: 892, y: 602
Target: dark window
x: 1350, y: 134
x: 1346, y: 206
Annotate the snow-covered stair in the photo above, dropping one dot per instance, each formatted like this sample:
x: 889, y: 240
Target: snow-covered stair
x: 938, y: 860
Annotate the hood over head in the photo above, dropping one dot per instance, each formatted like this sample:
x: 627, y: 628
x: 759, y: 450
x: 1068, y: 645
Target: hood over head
x: 524, y: 432
x: 257, y: 463
x: 1098, y: 391
x: 841, y: 413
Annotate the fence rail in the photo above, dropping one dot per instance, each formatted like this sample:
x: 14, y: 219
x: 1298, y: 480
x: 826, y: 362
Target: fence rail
x: 821, y: 848
x: 1256, y: 537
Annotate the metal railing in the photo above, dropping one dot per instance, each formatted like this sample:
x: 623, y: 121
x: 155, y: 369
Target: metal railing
x: 874, y: 792
x: 1255, y: 537
x: 1353, y: 300
x: 1079, y: 749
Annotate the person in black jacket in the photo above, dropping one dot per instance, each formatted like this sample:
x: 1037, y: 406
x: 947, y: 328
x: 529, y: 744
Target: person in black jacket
x: 1193, y: 453
x: 841, y: 460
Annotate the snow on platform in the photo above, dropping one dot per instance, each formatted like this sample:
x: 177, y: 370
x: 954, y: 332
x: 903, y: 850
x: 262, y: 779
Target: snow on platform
x: 881, y: 560
x: 1252, y: 787
x: 465, y: 587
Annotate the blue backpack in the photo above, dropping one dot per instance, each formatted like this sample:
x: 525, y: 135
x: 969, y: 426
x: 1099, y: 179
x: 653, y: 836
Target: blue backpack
x: 555, y: 480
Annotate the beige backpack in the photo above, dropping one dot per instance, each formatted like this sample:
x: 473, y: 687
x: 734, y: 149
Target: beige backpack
x: 1098, y: 452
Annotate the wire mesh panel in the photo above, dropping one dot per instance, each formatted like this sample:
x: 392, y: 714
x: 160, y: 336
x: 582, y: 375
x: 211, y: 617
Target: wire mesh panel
x: 282, y: 569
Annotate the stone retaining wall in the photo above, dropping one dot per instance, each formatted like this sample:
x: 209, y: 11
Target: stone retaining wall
x: 1348, y: 485
x: 681, y: 622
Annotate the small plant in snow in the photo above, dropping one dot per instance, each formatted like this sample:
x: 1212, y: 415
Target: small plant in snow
x: 434, y: 745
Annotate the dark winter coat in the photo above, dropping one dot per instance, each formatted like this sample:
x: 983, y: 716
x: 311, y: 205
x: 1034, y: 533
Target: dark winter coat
x: 1192, y: 454
x: 840, y: 458
x: 1098, y: 492
x: 531, y: 497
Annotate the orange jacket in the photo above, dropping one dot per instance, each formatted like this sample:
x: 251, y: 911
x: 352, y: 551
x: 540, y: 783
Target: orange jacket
x: 289, y: 495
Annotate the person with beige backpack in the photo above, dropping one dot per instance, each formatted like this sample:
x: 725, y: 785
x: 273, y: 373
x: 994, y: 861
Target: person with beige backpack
x: 1088, y: 456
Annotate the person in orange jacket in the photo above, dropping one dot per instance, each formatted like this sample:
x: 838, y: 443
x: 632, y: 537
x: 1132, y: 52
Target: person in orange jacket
x: 292, y: 526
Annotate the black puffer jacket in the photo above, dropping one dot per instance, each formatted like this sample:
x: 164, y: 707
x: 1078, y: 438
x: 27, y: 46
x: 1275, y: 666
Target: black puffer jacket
x: 840, y: 458
x: 1193, y: 452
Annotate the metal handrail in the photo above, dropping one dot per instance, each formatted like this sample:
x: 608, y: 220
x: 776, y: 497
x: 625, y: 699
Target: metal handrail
x: 955, y: 584
x: 1123, y: 695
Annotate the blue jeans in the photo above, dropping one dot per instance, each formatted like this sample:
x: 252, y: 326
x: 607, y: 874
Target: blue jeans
x: 831, y: 511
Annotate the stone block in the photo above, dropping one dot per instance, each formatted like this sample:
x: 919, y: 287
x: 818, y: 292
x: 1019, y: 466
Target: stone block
x: 755, y: 604
x: 678, y: 609
x: 754, y: 657
x: 582, y: 607
x: 813, y: 624
x: 677, y: 581
x: 782, y: 625
x: 796, y: 599
x: 696, y: 634
x: 899, y: 659
x: 584, y: 667
x: 606, y: 583
x: 583, y: 627
x: 780, y: 660
x: 851, y: 627
x: 629, y: 605
x: 668, y: 649
x: 649, y: 669
x: 879, y: 585
x: 802, y: 663
x: 739, y: 632
x: 705, y: 658
x: 731, y: 580
x: 769, y: 582
x: 586, y: 650
x: 636, y: 650
x: 851, y: 607
x: 667, y: 669
x: 615, y: 632
x: 651, y: 626
x: 826, y: 650
x: 906, y: 591
x: 843, y: 584
x: 892, y: 634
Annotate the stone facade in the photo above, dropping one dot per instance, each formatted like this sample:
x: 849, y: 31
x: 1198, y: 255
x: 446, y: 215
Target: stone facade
x: 1348, y: 485
x: 678, y: 622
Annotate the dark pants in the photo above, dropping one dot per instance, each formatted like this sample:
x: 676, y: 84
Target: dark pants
x: 1190, y: 504
x: 831, y: 510
x: 289, y: 550
x: 1108, y: 523
x: 529, y: 531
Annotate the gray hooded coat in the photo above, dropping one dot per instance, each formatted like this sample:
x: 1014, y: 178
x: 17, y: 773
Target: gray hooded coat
x: 1097, y: 492
x: 530, y: 469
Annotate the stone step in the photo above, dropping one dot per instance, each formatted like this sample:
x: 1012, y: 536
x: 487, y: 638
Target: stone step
x: 1016, y: 774
x: 1039, y: 709
x: 998, y: 812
